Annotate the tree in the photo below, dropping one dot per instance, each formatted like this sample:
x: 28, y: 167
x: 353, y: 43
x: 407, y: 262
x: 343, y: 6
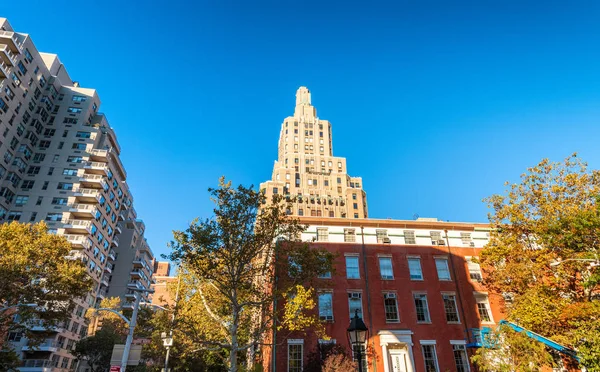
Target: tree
x: 330, y: 358
x: 551, y: 216
x: 234, y: 257
x: 38, y: 268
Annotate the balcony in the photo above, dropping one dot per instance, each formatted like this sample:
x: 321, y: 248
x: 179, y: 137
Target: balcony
x: 136, y: 274
x: 130, y: 295
x: 137, y: 262
x: 108, y: 268
x: 88, y: 195
x: 104, y: 280
x: 82, y: 210
x: 80, y: 226
x: 102, y: 294
x: 36, y: 365
x: 96, y: 167
x: 122, y: 216
x: 93, y: 179
x: 135, y: 284
x: 4, y: 70
x: 118, y: 229
x: 49, y: 346
x: 80, y: 241
x: 100, y: 155
x: 128, y: 306
x: 10, y: 38
x: 39, y: 325
x: 7, y: 56
x: 115, y: 241
x: 112, y: 255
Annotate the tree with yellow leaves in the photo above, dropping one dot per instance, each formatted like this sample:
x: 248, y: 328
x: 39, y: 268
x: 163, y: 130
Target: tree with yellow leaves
x: 237, y: 257
x: 543, y: 256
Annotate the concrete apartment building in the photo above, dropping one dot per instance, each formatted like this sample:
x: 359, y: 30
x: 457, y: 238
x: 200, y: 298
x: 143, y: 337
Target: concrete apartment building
x: 307, y: 171
x: 59, y: 162
x: 414, y: 283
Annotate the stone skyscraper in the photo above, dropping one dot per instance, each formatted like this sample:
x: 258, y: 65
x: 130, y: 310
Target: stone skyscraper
x: 307, y: 170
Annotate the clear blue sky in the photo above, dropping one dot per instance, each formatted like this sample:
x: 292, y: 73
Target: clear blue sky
x: 435, y: 104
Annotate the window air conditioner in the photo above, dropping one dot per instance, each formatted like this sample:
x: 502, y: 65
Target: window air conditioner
x: 389, y: 295
x: 386, y: 240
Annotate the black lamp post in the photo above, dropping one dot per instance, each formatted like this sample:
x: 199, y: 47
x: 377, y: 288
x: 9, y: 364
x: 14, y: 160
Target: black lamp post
x: 357, y: 334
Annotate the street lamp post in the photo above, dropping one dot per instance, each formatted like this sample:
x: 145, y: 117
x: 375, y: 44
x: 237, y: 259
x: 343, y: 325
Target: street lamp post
x: 130, y: 322
x: 357, y: 334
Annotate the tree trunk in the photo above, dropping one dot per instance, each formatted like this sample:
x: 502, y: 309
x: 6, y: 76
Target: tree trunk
x: 234, y: 342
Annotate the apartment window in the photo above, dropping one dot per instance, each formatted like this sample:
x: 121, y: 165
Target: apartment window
x: 421, y: 307
x: 295, y: 356
x: 325, y: 306
x: 78, y: 146
x: 39, y: 200
x: 381, y: 234
x: 33, y: 216
x: 483, y: 307
x: 409, y: 237
x: 15, y: 336
x: 352, y: 270
x: 322, y: 234
x: 54, y: 217
x: 59, y: 201
x: 77, y: 98
x: 21, y: 200
x: 349, y: 235
x: 69, y: 172
x: 300, y: 212
x: 44, y: 186
x: 391, y: 307
x: 441, y: 265
x: 21, y: 67
x: 436, y: 237
x: 430, y: 358
x: 414, y: 267
x: 460, y: 358
x: 474, y: 269
x: 356, y: 348
x: 385, y: 268
x: 14, y: 216
x: 74, y: 159
x: 355, y: 215
x: 64, y: 186
x: 74, y: 110
x: 69, y: 121
x: 355, y: 303
x: 450, y: 307
x: 33, y: 170
x: 465, y: 238
x: 27, y: 184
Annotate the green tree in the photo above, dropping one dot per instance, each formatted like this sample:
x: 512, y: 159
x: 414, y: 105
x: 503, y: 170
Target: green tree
x: 233, y: 257
x: 551, y: 216
x: 96, y: 350
x: 38, y: 268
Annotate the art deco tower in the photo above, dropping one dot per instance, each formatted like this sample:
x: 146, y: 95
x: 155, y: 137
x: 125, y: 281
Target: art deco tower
x: 306, y: 168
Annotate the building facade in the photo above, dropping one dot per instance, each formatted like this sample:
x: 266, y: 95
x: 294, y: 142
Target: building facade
x: 415, y: 284
x: 60, y: 163
x: 307, y: 172
x: 163, y: 284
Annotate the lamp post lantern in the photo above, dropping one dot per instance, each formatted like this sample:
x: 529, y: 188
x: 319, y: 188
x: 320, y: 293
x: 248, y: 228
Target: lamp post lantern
x: 357, y: 335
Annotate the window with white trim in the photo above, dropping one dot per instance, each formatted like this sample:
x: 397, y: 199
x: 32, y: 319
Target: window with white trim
x: 325, y: 306
x: 421, y: 307
x: 436, y: 236
x: 474, y: 269
x: 355, y: 303
x: 466, y: 238
x: 295, y: 356
x: 352, y: 269
x: 391, y: 307
x: 385, y: 268
x: 356, y: 348
x: 322, y: 234
x: 349, y: 236
x: 483, y: 308
x: 381, y: 235
x: 414, y: 266
x: 460, y: 358
x: 441, y: 265
x: 430, y: 358
x: 450, y: 307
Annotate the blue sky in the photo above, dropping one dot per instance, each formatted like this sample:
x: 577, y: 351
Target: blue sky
x: 434, y: 103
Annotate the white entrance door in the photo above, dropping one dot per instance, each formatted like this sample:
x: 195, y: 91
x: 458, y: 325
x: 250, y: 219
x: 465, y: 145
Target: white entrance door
x: 398, y: 360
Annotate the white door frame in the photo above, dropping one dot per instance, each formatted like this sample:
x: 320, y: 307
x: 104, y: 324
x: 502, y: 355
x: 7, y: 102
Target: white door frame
x: 403, y: 337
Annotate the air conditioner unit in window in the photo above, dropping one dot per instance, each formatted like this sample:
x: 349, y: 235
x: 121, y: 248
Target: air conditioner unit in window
x: 326, y: 317
x: 472, y: 244
x: 389, y: 295
x: 355, y: 295
x: 386, y: 240
x: 441, y: 242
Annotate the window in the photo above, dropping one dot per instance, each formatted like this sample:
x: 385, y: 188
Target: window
x: 381, y: 234
x: 21, y: 200
x: 355, y: 303
x: 352, y: 270
x: 391, y: 307
x: 421, y: 307
x: 15, y: 336
x: 385, y: 268
x: 431, y: 364
x: 79, y: 146
x: 300, y: 212
x: 465, y: 238
x: 441, y: 265
x: 436, y: 237
x: 363, y: 352
x: 76, y: 98
x: 74, y: 110
x: 474, y: 269
x: 21, y: 67
x: 414, y: 266
x: 59, y: 201
x: 460, y: 358
x: 54, y: 217
x: 295, y: 357
x: 349, y: 236
x: 450, y: 307
x: 483, y: 307
x: 322, y: 234
x: 33, y: 216
x: 409, y: 237
x: 325, y: 306
x: 64, y: 186
x: 74, y: 159
x: 69, y: 172
x: 14, y: 216
x: 27, y: 184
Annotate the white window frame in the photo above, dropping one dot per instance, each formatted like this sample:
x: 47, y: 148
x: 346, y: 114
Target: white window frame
x: 349, y: 235
x: 460, y: 345
x: 418, y: 259
x: 474, y: 269
x: 352, y: 295
x: 390, y: 296
x: 483, y: 298
x: 428, y: 313
x: 296, y: 342
x: 322, y: 234
x: 455, y: 307
x: 443, y: 260
x: 327, y: 317
x: 357, y: 266
x: 431, y: 343
x: 386, y: 277
x: 410, y: 237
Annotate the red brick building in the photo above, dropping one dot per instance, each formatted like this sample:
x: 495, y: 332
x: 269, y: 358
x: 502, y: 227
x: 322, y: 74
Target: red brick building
x: 415, y: 287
